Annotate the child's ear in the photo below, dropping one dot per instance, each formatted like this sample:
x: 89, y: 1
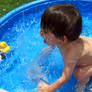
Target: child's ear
x: 64, y: 39
x: 41, y: 32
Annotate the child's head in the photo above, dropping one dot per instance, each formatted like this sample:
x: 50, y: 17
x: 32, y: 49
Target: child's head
x: 62, y: 20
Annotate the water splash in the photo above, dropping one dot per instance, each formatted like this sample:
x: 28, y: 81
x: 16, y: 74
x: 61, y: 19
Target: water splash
x: 36, y: 65
x: 89, y: 85
x: 80, y: 87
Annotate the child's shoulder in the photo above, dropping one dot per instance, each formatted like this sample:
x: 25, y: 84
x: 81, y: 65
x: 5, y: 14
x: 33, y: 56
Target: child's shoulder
x: 74, y: 50
x: 85, y: 45
x: 79, y: 47
x: 87, y: 39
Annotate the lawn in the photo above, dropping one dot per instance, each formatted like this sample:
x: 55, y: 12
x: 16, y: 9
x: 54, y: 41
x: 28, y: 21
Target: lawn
x: 8, y: 5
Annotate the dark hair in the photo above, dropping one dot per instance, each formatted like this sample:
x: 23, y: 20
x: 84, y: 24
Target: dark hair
x: 62, y: 20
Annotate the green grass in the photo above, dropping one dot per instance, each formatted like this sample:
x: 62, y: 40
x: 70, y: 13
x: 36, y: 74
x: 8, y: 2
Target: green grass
x: 8, y: 5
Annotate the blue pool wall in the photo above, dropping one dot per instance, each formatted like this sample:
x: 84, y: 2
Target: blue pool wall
x: 13, y: 16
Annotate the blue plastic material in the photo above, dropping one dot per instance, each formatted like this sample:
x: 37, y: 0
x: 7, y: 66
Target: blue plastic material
x: 20, y: 29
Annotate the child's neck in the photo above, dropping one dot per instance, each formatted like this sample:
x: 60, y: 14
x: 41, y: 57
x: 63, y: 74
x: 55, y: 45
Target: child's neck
x: 63, y: 46
x: 68, y: 45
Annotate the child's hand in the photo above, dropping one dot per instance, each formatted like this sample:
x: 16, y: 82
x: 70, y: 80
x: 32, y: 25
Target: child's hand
x: 43, y: 87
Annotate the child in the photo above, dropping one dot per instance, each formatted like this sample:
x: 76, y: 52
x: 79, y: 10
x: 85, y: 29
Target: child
x: 61, y: 26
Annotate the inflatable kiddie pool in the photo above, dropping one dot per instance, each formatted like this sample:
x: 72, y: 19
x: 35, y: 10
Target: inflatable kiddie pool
x: 20, y: 29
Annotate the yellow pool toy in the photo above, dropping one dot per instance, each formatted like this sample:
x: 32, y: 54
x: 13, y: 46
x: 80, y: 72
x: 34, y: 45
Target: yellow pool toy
x: 4, y: 47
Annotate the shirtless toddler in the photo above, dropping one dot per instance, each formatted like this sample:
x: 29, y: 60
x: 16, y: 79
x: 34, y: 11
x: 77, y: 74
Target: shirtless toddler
x: 61, y: 26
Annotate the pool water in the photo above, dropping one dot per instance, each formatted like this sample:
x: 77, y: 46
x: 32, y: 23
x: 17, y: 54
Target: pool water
x: 19, y: 71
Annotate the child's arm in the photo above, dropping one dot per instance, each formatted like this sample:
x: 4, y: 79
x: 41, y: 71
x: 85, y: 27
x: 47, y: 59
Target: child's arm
x: 70, y: 61
x: 67, y: 72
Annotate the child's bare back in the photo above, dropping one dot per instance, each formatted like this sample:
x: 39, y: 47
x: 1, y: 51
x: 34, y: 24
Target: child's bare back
x: 86, y: 52
x: 83, y: 50
x: 79, y: 53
